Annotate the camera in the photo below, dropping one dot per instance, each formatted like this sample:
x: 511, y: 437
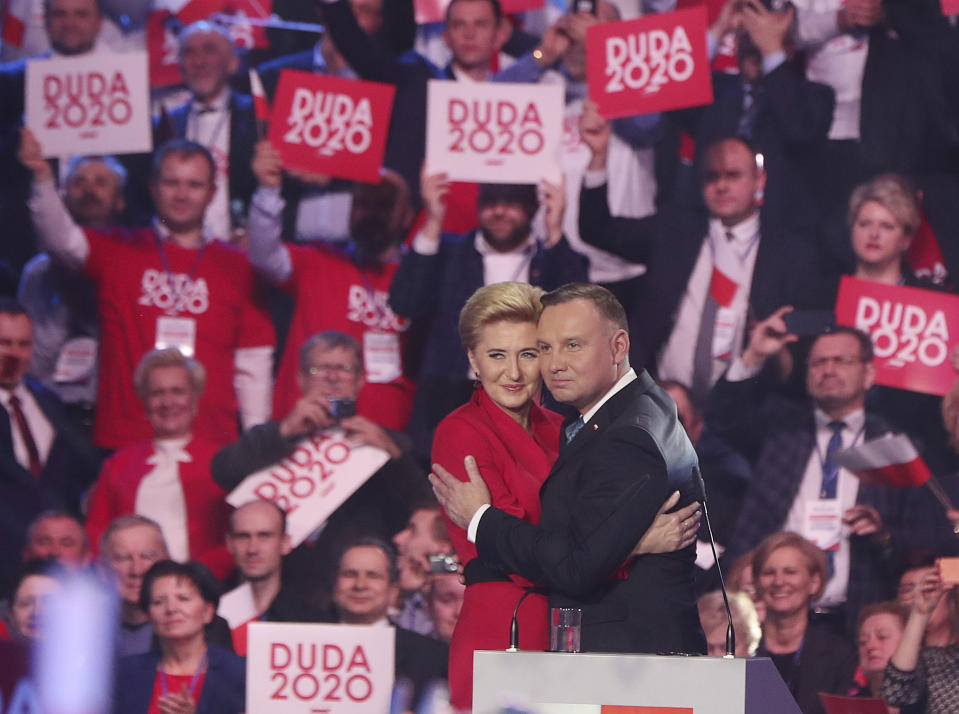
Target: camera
x: 444, y: 563
x: 342, y: 408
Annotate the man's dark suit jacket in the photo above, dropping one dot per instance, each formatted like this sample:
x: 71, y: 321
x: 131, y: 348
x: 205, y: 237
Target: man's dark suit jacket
x: 778, y: 437
x: 599, y: 498
x: 669, y: 242
x: 224, y: 688
x: 791, y: 115
x: 71, y: 466
x: 243, y: 138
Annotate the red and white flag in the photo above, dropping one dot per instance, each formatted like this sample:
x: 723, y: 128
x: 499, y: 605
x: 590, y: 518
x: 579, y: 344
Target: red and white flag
x: 15, y: 16
x: 891, y: 460
x: 261, y: 105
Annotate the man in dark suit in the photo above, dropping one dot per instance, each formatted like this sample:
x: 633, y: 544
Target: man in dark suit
x: 220, y: 119
x: 441, y: 271
x: 770, y: 102
x: 795, y: 484
x: 44, y: 462
x: 366, y: 584
x: 622, y: 457
x: 708, y: 274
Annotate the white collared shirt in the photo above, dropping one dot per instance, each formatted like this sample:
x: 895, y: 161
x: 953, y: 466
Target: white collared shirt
x: 736, y: 258
x: 40, y: 427
x: 212, y: 130
x: 621, y: 383
x: 847, y: 490
x: 511, y: 266
x: 160, y: 495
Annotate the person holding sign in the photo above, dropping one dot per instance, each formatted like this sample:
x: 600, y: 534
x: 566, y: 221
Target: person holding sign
x: 168, y: 286
x: 187, y: 675
x: 330, y: 379
x: 353, y: 295
x: 796, y: 484
x: 510, y: 444
x: 884, y: 215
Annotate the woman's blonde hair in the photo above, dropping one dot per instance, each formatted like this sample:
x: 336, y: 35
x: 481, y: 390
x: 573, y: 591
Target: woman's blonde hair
x: 509, y: 302
x: 895, y: 194
x: 816, y: 561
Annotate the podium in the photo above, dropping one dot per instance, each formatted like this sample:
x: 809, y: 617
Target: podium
x: 585, y: 683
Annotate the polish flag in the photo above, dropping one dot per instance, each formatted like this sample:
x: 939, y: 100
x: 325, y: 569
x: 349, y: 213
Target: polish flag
x: 891, y: 460
x: 15, y: 16
x: 238, y: 608
x: 261, y: 106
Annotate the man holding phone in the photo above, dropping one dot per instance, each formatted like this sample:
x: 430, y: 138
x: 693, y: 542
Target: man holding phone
x: 797, y: 485
x: 330, y: 380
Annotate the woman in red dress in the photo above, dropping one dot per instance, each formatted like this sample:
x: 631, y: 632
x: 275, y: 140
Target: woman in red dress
x: 515, y: 442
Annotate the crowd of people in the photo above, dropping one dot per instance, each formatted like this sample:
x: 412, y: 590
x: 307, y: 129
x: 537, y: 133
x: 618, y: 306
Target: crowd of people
x: 173, y: 323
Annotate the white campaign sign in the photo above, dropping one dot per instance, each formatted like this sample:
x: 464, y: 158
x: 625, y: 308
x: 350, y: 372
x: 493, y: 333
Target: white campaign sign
x: 296, y: 668
x: 96, y: 104
x: 313, y: 481
x: 494, y: 132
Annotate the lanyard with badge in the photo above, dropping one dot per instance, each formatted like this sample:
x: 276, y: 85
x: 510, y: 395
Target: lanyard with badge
x: 382, y: 360
x: 822, y: 517
x: 171, y: 331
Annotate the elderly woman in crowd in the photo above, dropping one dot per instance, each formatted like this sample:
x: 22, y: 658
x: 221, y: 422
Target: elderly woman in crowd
x: 514, y: 442
x: 39, y: 579
x: 187, y: 675
x: 790, y: 575
x: 879, y: 630
x: 925, y: 677
x: 712, y: 615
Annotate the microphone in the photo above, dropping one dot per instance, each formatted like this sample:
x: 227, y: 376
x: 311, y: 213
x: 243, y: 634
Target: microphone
x: 730, y: 632
x: 514, y: 623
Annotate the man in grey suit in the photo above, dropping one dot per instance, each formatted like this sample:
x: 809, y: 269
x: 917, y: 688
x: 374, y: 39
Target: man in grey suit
x: 622, y: 457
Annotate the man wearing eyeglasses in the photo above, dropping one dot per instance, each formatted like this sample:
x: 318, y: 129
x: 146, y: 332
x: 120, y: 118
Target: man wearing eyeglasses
x: 331, y: 380
x: 796, y: 484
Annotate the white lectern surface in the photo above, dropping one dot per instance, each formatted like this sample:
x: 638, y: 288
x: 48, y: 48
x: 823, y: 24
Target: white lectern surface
x: 688, y: 685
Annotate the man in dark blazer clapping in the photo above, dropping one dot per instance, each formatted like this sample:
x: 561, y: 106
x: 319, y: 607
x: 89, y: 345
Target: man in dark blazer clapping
x: 621, y: 458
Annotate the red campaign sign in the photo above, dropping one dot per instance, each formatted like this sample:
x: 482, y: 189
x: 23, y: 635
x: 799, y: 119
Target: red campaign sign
x: 912, y: 332
x: 950, y: 7
x: 331, y: 126
x: 195, y: 10
x: 163, y: 48
x: 427, y: 11
x: 652, y: 64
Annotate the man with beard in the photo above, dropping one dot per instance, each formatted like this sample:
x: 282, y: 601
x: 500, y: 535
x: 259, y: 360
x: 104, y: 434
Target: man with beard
x: 343, y: 290
x: 61, y: 303
x: 441, y: 271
